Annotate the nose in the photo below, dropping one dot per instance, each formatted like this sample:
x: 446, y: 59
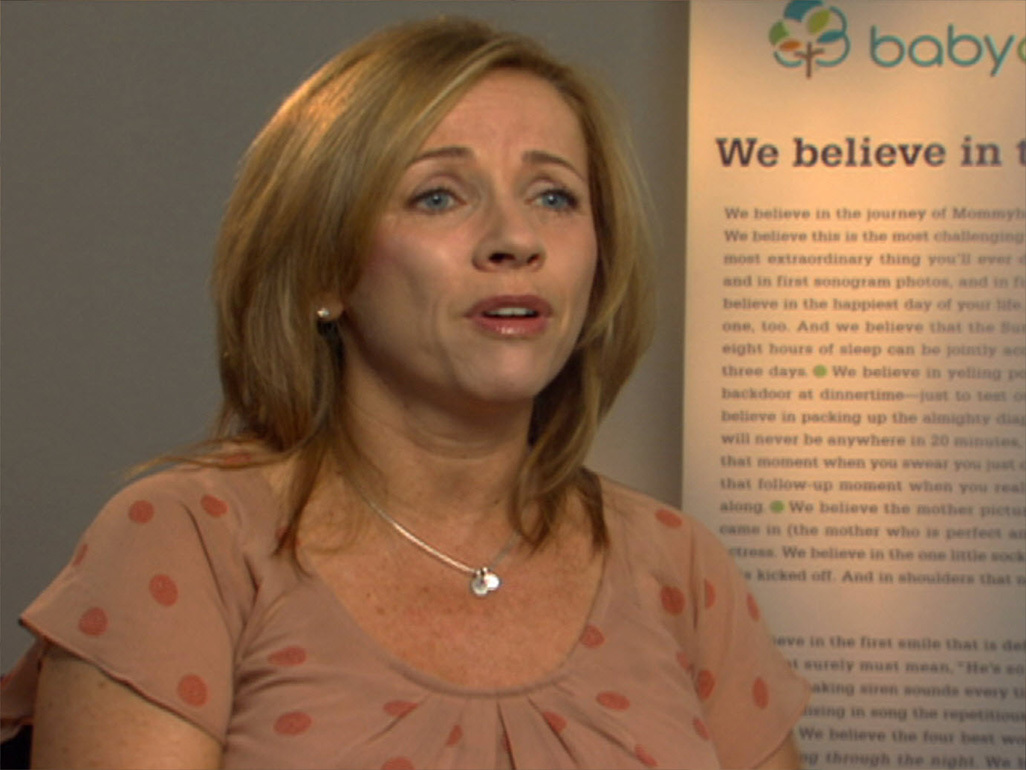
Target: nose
x: 510, y: 241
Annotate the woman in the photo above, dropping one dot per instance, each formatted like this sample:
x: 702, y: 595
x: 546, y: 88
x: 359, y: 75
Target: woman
x: 429, y: 286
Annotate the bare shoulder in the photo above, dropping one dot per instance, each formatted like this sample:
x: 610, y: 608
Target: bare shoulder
x: 84, y: 718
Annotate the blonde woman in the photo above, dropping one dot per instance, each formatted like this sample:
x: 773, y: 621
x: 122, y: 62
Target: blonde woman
x: 430, y: 289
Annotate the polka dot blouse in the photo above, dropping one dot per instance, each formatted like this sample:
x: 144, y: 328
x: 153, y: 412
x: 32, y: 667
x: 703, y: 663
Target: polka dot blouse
x: 175, y: 591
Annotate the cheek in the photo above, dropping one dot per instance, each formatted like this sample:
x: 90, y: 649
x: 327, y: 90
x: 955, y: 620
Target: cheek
x: 399, y: 268
x: 584, y: 275
x: 385, y: 257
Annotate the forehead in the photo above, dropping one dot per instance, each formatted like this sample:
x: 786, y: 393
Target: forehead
x: 514, y: 110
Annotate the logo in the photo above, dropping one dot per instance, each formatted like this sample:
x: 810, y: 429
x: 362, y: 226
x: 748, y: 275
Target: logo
x: 961, y: 49
x: 810, y: 35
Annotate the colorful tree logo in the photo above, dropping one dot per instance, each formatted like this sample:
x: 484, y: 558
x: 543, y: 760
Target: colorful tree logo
x: 810, y: 34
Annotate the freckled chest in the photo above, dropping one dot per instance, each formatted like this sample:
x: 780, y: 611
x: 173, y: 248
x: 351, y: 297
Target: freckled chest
x: 425, y: 614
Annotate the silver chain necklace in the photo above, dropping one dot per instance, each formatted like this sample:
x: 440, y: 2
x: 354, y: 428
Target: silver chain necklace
x: 483, y: 580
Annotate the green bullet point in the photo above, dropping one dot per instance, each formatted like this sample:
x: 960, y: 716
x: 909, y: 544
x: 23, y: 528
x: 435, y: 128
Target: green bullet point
x: 820, y: 371
x: 777, y: 506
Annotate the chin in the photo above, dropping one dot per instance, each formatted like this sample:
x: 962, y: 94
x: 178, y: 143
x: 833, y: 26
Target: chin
x: 509, y: 389
x: 508, y: 379
x: 506, y: 393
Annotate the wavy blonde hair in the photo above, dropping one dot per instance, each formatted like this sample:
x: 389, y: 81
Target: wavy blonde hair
x: 309, y: 194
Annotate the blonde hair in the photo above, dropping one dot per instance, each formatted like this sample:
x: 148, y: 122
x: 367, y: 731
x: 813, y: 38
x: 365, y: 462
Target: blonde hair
x: 311, y: 190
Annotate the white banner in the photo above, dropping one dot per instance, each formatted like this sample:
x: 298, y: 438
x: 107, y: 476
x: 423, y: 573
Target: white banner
x: 855, y: 359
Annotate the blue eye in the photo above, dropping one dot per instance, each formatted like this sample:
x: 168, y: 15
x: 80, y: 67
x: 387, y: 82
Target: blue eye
x: 558, y: 200
x: 435, y: 200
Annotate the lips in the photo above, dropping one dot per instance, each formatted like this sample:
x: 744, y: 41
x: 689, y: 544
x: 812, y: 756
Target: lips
x: 508, y: 316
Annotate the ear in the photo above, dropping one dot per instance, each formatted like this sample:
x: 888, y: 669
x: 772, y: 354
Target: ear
x: 327, y: 308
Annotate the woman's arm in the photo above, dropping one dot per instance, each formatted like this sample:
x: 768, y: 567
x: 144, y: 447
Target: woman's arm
x: 786, y: 757
x: 84, y: 718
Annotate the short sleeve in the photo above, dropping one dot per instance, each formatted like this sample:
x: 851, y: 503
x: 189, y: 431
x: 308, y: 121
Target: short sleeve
x: 155, y: 596
x: 751, y: 696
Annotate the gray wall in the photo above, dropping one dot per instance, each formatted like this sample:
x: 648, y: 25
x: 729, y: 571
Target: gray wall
x: 122, y: 126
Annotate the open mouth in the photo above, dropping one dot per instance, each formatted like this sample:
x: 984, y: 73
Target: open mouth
x: 512, y: 316
x: 511, y: 312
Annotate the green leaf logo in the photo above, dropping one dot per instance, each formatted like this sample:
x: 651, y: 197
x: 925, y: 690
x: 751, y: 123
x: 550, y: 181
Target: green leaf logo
x: 810, y: 35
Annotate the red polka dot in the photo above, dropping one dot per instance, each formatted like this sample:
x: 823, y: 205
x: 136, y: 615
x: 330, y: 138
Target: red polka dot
x: 672, y: 599
x: 760, y: 692
x: 397, y: 763
x: 700, y: 728
x: 685, y: 663
x: 592, y: 637
x: 399, y: 708
x: 192, y: 689
x: 710, y: 594
x: 669, y: 518
x: 705, y: 683
x: 646, y: 759
x: 214, y: 505
x: 288, y: 656
x: 93, y: 622
x: 80, y: 554
x: 556, y: 722
x: 164, y: 590
x: 455, y: 734
x: 292, y: 723
x: 753, y: 607
x: 141, y: 511
x: 613, y: 700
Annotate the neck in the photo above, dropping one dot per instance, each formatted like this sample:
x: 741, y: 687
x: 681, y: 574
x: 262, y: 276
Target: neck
x: 439, y: 468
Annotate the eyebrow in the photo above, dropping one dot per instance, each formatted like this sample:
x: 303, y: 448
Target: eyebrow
x: 540, y: 156
x: 452, y: 151
x: 537, y: 157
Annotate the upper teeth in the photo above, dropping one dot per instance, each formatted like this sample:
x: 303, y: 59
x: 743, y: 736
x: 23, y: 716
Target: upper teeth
x: 511, y: 311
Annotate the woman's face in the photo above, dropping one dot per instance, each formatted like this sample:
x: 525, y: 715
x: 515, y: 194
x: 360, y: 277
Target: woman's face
x: 480, y: 270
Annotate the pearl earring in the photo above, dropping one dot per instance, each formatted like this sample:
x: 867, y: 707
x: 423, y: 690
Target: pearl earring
x: 323, y: 314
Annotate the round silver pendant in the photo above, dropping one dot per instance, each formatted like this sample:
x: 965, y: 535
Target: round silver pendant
x: 484, y: 582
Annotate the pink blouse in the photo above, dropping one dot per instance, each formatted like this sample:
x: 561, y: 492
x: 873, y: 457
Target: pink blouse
x: 175, y: 591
